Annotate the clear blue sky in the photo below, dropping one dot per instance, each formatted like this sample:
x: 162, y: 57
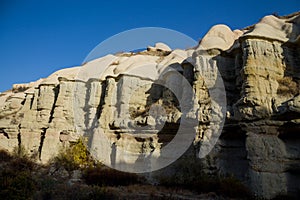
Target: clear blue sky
x: 39, y: 37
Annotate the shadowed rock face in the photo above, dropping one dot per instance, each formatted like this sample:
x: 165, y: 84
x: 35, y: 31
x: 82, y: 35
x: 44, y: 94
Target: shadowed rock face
x: 260, y: 67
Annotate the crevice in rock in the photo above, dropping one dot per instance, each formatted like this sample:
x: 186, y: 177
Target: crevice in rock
x: 86, y: 103
x: 86, y: 109
x: 233, y: 132
x: 117, y: 79
x: 118, y: 136
x: 31, y: 102
x: 2, y: 131
x: 167, y: 133
x: 289, y: 131
x: 43, y: 135
x: 286, y: 116
x: 39, y: 90
x: 101, y: 103
x: 112, y: 126
x: 23, y: 102
x: 19, y: 136
x: 138, y: 139
x: 56, y: 92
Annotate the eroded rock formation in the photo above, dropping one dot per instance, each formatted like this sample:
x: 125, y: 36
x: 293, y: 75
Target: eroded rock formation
x: 260, y: 67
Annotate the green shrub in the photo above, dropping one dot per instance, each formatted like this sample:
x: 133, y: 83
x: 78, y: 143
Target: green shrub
x: 5, y: 156
x: 20, y: 152
x: 21, y: 164
x: 47, y: 187
x: 21, y: 178
x: 20, y: 160
x: 16, y: 184
x: 16, y: 180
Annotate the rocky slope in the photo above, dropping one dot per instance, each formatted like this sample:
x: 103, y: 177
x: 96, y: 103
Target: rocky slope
x: 260, y: 68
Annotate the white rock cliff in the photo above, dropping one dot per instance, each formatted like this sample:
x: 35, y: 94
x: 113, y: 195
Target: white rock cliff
x: 260, y: 67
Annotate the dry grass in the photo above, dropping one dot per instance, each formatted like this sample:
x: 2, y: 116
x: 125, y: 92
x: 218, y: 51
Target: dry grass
x: 156, y: 192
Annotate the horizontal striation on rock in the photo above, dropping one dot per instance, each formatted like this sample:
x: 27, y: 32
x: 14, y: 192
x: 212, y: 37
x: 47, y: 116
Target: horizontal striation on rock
x: 260, y: 68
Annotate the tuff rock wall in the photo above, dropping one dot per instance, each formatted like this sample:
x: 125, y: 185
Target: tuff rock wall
x: 260, y: 67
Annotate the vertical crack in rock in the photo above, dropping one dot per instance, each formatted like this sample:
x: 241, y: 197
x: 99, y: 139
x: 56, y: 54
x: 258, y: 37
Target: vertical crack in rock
x: 19, y: 136
x: 43, y: 135
x: 118, y: 94
x: 2, y: 131
x: 23, y: 102
x: 31, y: 102
x: 101, y: 103
x: 99, y: 109
x: 56, y: 92
x: 86, y: 107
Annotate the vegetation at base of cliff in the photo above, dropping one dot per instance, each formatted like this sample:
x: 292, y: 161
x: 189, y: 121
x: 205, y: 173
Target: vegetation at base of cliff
x: 224, y: 186
x: 201, y: 177
x: 74, y: 157
x: 74, y: 175
x: 103, y: 176
x: 22, y: 178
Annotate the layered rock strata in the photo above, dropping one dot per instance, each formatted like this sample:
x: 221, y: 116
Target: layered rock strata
x: 260, y: 69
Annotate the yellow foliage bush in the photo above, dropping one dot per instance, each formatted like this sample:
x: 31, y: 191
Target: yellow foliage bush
x: 75, y: 156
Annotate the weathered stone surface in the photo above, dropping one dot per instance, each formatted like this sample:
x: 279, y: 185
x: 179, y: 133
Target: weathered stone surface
x: 159, y: 47
x: 220, y: 37
x: 115, y: 97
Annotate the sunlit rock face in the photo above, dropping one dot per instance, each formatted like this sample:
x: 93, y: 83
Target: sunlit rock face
x: 113, y: 102
x: 260, y: 140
